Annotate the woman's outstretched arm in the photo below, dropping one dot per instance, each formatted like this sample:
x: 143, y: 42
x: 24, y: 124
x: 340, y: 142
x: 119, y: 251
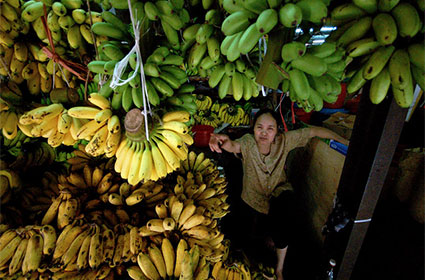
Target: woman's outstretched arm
x: 222, y: 141
x: 327, y: 134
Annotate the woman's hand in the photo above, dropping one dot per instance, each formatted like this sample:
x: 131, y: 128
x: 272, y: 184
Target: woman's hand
x: 216, y: 140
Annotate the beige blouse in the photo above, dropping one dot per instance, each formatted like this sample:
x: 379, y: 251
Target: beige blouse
x: 262, y: 174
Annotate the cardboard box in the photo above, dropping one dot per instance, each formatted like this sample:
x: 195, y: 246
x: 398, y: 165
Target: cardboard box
x: 341, y: 123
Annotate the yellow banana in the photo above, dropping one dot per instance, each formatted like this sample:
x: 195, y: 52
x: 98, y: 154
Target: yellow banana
x: 147, y: 266
x: 158, y: 260
x: 96, y: 250
x: 49, y: 239
x: 83, y: 112
x: 18, y: 257
x: 33, y: 254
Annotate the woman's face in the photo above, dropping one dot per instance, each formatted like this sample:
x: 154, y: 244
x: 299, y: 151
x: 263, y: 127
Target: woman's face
x: 265, y: 129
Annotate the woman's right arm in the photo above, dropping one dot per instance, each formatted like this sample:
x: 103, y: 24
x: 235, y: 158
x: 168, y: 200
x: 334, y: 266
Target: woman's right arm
x: 222, y: 141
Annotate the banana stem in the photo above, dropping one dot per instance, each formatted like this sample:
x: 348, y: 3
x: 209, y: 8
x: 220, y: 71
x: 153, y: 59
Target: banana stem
x: 134, y: 124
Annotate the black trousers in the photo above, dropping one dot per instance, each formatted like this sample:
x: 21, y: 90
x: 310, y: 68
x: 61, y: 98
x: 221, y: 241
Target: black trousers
x: 255, y: 228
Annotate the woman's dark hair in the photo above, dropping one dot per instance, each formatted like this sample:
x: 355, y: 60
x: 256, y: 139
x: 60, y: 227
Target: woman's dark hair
x: 264, y: 111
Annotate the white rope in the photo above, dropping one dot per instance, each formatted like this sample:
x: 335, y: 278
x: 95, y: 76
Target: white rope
x: 122, y: 65
x: 260, y: 58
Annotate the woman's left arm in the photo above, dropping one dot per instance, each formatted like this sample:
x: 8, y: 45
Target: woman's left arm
x: 327, y: 134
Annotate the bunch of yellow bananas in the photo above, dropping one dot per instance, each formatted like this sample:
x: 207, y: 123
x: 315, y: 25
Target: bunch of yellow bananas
x: 9, y: 182
x: 207, y: 118
x: 8, y: 120
x: 204, y: 102
x: 234, y: 271
x: 150, y: 160
x: 235, y: 115
x: 160, y: 263
x: 384, y: 59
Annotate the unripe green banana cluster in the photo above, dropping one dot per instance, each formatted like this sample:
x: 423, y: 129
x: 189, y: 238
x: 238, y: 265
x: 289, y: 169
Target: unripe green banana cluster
x: 385, y: 39
x: 172, y: 17
x: 314, y: 74
x: 249, y: 20
x: 236, y: 79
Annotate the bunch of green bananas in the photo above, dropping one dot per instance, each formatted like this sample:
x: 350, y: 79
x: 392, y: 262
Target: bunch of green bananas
x: 249, y: 20
x: 235, y: 79
x: 313, y: 74
x: 392, y: 56
x: 172, y: 16
x: 14, y: 146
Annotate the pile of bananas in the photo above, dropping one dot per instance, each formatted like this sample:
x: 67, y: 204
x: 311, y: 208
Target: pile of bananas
x: 154, y: 158
x: 29, y: 154
x: 386, y: 42
x: 235, y: 271
x: 14, y: 146
x: 61, y: 126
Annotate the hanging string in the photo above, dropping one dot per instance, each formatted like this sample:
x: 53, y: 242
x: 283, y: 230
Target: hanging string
x: 78, y: 70
x: 292, y: 113
x: 260, y: 58
x: 121, y: 66
x: 282, y: 96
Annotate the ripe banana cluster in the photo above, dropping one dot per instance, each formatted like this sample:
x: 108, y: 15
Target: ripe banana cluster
x: 11, y: 23
x: 10, y: 93
x: 9, y: 183
x: 235, y: 79
x: 235, y: 271
x: 163, y: 261
x: 314, y: 74
x: 8, y: 120
x: 63, y: 209
x: 154, y: 158
x: 384, y: 39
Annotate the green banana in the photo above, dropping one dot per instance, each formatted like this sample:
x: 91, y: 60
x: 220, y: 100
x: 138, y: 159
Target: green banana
x: 162, y: 86
x: 233, y: 52
x: 380, y: 86
x: 310, y: 64
x: 357, y: 81
x: 235, y: 23
x: 233, y: 6
x: 109, y: 30
x: 237, y: 86
x: 97, y: 66
x: 335, y: 57
x: 109, y: 67
x: 355, y: 32
x: 213, y: 17
x: 387, y: 5
x: 347, y: 12
x: 300, y: 83
x: 171, y: 34
x: 213, y: 47
x: 153, y: 96
x: 370, y: 6
x: 266, y: 21
x: 323, y: 50
x: 32, y: 11
x: 315, y: 100
x: 399, y: 69
x: 127, y: 99
x: 151, y: 69
x: 377, y: 62
x: 173, y: 20
x: 292, y: 50
x: 418, y: 75
x: 112, y: 52
x: 417, y: 55
x: 164, y: 7
x: 190, y: 32
x: 404, y: 97
x: 175, y: 71
x: 114, y: 20
x: 274, y: 3
x: 196, y: 54
x: 385, y: 29
x: 151, y: 11
x: 255, y: 6
x: 225, y: 44
x: 407, y: 19
x: 72, y: 4
x: 290, y: 15
x: 216, y: 76
x: 240, y: 65
x: 170, y: 79
x: 173, y: 59
x: 186, y: 88
x: 106, y: 90
x: 362, y: 47
x: 204, y: 32
x: 137, y: 97
x: 313, y: 10
x: 224, y: 86
x: 116, y: 101
x: 249, y: 39
x: 79, y: 16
